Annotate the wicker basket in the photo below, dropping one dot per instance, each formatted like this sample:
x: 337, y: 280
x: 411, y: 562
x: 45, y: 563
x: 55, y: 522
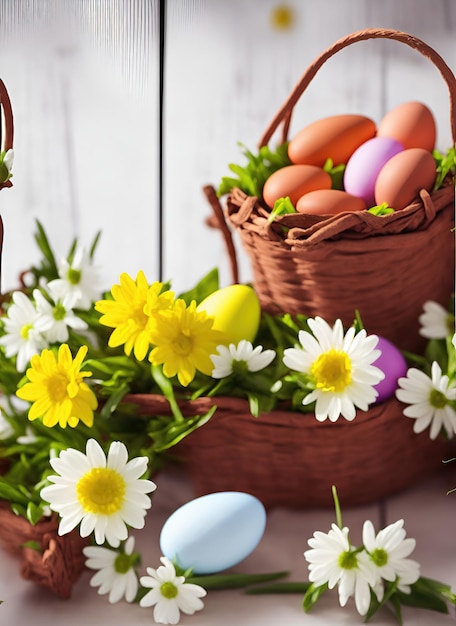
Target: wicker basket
x: 290, y: 459
x: 47, y: 559
x: 383, y: 266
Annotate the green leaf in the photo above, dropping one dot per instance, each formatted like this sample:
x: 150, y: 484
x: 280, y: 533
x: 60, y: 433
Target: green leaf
x: 252, y: 176
x: 445, y: 165
x: 94, y: 245
x: 375, y: 605
x: 312, y: 595
x: 381, y: 209
x: 34, y: 545
x: 336, y: 173
x: 34, y: 513
x: 12, y: 494
x: 207, y: 285
x: 337, y: 507
x: 394, y: 600
x: 120, y: 366
x: 114, y: 400
x: 166, y: 387
x: 282, y: 206
x: 292, y: 587
x: 172, y: 433
x: 429, y: 594
x: 233, y: 581
x: 45, y: 247
x: 254, y: 404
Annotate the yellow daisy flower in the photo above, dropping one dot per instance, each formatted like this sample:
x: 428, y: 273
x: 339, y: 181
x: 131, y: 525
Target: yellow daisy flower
x: 57, y: 389
x: 184, y: 340
x: 132, y: 313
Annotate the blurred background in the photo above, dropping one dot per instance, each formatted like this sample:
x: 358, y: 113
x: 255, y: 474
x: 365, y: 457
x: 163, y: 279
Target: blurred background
x: 83, y: 78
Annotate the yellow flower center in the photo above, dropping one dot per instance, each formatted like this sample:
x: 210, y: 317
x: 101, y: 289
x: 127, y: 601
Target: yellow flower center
x: 25, y: 331
x: 379, y: 557
x: 74, y: 276
x: 101, y: 491
x: 282, y: 17
x: 437, y: 399
x: 169, y: 590
x: 57, y: 388
x: 138, y: 316
x: 332, y: 371
x: 59, y: 312
x: 182, y: 345
x: 348, y: 560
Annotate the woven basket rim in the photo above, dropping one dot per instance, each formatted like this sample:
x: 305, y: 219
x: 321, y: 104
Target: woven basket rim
x: 148, y: 404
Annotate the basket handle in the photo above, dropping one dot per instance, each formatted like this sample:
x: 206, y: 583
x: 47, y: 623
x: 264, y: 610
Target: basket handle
x: 7, y: 125
x: 285, y: 112
x: 219, y: 221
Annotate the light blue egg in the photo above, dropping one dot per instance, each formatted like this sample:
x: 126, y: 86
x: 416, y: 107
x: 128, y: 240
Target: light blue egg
x: 214, y: 532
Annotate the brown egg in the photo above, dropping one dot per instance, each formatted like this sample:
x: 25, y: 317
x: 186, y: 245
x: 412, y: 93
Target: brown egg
x: 403, y: 176
x: 329, y: 202
x: 411, y: 123
x: 294, y: 181
x: 335, y: 137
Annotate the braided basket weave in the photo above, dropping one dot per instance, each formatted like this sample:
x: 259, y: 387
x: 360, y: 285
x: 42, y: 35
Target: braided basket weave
x: 290, y: 459
x: 383, y: 266
x: 46, y: 559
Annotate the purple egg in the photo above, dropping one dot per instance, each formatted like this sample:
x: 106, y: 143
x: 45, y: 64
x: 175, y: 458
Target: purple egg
x: 393, y: 365
x: 364, y: 165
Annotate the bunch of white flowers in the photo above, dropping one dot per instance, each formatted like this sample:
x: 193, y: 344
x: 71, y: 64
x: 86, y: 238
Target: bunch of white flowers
x: 431, y: 396
x: 33, y: 324
x: 363, y: 571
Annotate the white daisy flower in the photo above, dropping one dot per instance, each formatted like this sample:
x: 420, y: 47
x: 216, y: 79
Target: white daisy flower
x: 253, y: 359
x: 28, y: 437
x: 170, y: 594
x: 103, y: 494
x: 436, y: 322
x: 116, y: 573
x: 22, y: 339
x: 338, y: 367
x: 53, y: 320
x: 79, y: 277
x: 6, y: 430
x: 388, y: 550
x: 333, y: 560
x: 430, y: 400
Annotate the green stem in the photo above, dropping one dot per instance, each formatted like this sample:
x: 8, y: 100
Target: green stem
x: 337, y: 507
x: 292, y: 587
x: 168, y: 391
x: 233, y: 581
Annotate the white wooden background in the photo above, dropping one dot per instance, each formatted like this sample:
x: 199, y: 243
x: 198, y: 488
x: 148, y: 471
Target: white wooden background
x: 83, y: 79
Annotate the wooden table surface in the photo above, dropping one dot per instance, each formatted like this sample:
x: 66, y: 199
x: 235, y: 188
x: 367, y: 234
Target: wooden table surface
x: 83, y: 80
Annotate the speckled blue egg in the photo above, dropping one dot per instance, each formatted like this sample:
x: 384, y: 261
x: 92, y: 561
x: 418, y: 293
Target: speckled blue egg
x: 364, y: 165
x: 214, y: 532
x: 393, y: 365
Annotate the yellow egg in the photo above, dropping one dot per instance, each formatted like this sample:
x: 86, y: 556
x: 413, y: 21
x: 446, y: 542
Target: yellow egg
x: 236, y: 311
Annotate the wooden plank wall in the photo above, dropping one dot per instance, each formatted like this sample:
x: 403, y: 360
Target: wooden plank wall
x: 83, y: 79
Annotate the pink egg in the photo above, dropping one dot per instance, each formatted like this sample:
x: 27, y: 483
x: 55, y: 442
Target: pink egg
x: 393, y: 365
x: 365, y: 164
